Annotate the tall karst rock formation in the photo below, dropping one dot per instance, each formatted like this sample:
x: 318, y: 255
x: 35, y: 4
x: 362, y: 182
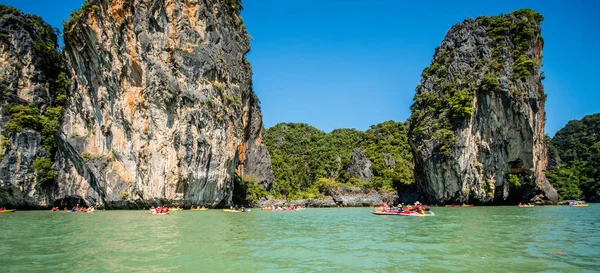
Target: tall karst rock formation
x: 32, y: 95
x: 477, y: 123
x: 161, y: 107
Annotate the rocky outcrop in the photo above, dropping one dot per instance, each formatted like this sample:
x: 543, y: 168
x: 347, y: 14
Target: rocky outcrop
x: 32, y: 84
x: 163, y: 109
x: 326, y: 202
x: 338, y: 197
x: 477, y: 124
x: 360, y: 165
x: 359, y: 197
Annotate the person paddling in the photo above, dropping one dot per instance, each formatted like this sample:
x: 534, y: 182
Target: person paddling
x: 419, y: 208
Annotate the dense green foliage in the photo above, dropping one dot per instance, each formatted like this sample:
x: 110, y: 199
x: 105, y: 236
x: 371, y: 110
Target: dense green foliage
x: 513, y: 180
x: 389, y: 140
x: 515, y: 33
x: 247, y: 191
x: 441, y: 108
x: 308, y: 162
x: 578, y: 148
x: 29, y: 117
x: 43, y: 170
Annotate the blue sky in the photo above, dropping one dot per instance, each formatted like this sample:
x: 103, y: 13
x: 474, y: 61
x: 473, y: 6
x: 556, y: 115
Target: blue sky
x: 355, y: 63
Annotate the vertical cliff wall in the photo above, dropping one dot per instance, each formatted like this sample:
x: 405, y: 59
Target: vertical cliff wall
x: 32, y: 93
x: 163, y: 107
x: 477, y: 123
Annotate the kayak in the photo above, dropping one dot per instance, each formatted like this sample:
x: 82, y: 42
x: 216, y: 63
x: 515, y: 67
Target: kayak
x: 238, y: 210
x: 200, y: 209
x: 412, y: 213
x: 387, y: 212
x: 162, y: 213
x: 580, y: 205
x: 8, y: 210
x: 526, y: 206
x: 401, y: 213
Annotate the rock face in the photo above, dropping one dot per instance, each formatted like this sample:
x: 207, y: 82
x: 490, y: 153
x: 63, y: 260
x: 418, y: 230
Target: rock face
x: 357, y: 197
x: 477, y: 124
x: 30, y: 99
x: 163, y: 109
x: 360, y: 165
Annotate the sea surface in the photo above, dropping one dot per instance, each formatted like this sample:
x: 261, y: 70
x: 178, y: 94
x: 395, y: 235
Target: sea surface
x: 465, y: 239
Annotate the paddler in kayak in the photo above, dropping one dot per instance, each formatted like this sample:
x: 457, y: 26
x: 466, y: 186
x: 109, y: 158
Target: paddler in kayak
x: 419, y: 208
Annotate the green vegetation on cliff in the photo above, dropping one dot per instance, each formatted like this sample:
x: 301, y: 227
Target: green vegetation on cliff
x: 307, y: 162
x: 76, y: 15
x: 386, y: 145
x: 44, y: 111
x: 576, y: 147
x: 444, y: 98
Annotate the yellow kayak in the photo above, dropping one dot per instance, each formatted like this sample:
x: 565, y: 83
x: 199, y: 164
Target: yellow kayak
x: 580, y: 205
x: 231, y: 210
x: 8, y: 210
x: 200, y: 209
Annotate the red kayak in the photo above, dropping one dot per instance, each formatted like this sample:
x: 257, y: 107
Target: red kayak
x: 402, y: 213
x: 385, y: 212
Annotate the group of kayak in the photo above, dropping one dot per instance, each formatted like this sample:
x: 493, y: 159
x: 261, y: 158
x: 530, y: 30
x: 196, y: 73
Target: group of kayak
x: 197, y: 208
x: 159, y: 210
x: 283, y: 208
x: 415, y: 210
x: 526, y: 205
x: 77, y: 208
x: 165, y: 210
x: 237, y: 208
x: 578, y: 204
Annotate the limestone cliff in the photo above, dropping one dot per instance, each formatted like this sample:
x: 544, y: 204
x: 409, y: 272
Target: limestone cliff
x: 477, y: 123
x: 32, y: 93
x: 360, y: 165
x: 162, y: 108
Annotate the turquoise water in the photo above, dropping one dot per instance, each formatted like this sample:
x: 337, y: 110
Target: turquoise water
x: 471, y: 239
